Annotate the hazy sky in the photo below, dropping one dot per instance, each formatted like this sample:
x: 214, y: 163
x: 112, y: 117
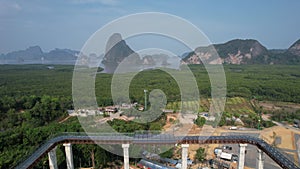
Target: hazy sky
x: 69, y: 23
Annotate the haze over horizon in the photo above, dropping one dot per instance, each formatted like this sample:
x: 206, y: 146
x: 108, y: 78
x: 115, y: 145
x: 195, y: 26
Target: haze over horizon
x: 68, y: 24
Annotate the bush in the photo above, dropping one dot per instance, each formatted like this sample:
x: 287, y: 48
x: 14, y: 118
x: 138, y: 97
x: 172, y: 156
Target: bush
x: 200, y: 121
x: 200, y: 154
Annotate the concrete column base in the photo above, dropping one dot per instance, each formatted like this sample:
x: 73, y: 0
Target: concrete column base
x: 52, y: 159
x: 260, y: 159
x: 126, y: 155
x: 241, y: 162
x: 184, y: 155
x: 69, y: 156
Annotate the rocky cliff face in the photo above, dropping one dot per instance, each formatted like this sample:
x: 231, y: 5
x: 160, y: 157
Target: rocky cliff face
x: 295, y: 48
x: 233, y: 52
x: 116, y: 51
x: 148, y: 60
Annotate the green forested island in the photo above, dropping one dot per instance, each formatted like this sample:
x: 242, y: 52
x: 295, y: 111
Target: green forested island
x: 35, y: 99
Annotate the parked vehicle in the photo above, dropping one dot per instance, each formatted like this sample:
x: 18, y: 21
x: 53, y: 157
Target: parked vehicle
x: 235, y: 158
x: 233, y: 128
x: 226, y: 156
x: 217, y: 151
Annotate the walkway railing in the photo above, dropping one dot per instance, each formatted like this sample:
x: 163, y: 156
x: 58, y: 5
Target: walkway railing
x: 134, y: 138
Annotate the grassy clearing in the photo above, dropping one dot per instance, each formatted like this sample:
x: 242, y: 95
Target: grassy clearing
x: 235, y: 105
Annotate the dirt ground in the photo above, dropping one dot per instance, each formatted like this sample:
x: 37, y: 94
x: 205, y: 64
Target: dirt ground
x: 171, y: 118
x: 285, y: 135
x: 271, y: 106
x: 234, y: 165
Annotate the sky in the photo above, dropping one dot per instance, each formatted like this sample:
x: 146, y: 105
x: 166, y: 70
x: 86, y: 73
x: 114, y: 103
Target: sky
x: 69, y: 23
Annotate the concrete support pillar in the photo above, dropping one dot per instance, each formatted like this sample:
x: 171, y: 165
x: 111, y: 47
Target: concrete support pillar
x: 69, y: 155
x: 184, y: 156
x: 241, y: 162
x: 260, y: 159
x: 126, y: 155
x: 52, y: 159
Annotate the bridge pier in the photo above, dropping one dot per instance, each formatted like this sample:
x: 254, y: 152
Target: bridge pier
x: 126, y: 155
x: 52, y: 159
x: 69, y: 155
x: 276, y: 155
x: 260, y: 159
x: 241, y: 162
x: 184, y: 155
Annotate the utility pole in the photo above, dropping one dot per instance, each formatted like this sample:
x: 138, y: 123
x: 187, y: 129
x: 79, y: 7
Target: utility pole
x: 259, y: 119
x: 145, y: 91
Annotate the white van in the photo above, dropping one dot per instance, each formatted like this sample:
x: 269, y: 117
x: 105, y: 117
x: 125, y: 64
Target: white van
x: 233, y: 128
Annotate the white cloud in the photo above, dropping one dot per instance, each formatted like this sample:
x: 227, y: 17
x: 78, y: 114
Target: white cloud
x: 104, y: 2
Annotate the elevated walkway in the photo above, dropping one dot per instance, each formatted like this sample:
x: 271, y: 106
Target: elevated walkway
x: 130, y: 138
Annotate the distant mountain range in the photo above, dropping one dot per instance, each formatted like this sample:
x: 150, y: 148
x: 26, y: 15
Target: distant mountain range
x: 236, y: 51
x: 35, y: 55
x: 243, y: 52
